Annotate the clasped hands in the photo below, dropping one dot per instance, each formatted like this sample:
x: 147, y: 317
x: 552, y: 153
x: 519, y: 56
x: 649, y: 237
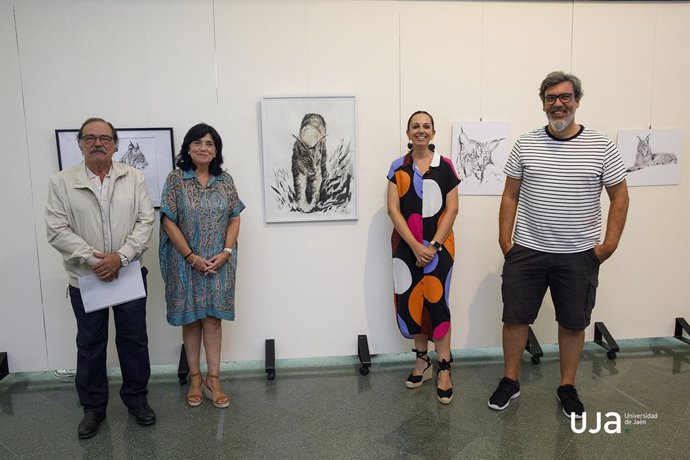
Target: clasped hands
x: 209, y: 266
x: 424, y: 254
x: 108, y: 266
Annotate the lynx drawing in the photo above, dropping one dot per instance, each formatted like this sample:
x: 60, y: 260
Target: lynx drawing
x: 135, y: 157
x: 475, y: 156
x: 645, y: 157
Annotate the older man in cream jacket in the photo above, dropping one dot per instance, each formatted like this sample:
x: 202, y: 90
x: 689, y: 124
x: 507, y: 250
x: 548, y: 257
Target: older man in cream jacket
x: 99, y: 217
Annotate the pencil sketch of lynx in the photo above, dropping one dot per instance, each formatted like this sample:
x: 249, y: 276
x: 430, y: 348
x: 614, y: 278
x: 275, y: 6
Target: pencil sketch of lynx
x: 309, y: 173
x: 317, y: 181
x: 645, y: 157
x: 474, y: 156
x: 134, y: 157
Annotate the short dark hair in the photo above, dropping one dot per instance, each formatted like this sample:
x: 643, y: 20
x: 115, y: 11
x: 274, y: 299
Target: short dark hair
x: 557, y: 77
x: 409, y: 120
x: 184, y: 159
x: 94, y: 120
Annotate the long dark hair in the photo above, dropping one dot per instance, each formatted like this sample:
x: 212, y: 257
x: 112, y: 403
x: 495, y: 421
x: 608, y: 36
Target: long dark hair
x: 184, y: 159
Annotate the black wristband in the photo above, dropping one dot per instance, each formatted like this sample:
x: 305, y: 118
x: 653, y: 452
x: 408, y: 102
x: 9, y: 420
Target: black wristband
x: 190, y: 253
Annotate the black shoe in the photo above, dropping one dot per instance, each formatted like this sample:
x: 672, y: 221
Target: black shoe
x: 507, y: 390
x: 444, y: 396
x: 144, y: 414
x: 570, y: 401
x: 416, y: 381
x: 88, y: 426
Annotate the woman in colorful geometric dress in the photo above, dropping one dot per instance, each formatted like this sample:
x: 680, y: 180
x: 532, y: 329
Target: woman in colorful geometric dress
x: 423, y: 204
x: 200, y: 222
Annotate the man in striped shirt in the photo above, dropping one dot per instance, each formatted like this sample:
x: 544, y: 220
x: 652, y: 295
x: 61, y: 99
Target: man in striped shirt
x: 554, y: 180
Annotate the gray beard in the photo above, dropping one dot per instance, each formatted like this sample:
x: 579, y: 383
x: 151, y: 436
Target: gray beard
x: 560, y: 125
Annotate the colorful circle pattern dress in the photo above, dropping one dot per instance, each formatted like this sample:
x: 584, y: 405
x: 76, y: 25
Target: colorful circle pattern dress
x: 421, y: 293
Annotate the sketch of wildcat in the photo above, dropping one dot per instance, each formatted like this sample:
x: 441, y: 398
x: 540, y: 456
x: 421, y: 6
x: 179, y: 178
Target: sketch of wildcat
x: 474, y: 156
x: 645, y: 157
x: 309, y: 172
x: 134, y: 157
x: 339, y: 188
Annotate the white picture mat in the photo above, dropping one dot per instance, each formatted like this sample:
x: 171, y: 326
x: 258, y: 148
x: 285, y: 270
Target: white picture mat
x: 97, y: 294
x: 156, y: 143
x: 493, y: 139
x: 281, y: 118
x: 667, y: 140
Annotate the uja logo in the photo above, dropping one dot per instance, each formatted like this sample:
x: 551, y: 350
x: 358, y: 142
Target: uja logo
x: 612, y: 424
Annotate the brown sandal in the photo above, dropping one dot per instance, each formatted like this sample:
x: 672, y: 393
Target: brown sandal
x: 220, y: 399
x: 195, y: 399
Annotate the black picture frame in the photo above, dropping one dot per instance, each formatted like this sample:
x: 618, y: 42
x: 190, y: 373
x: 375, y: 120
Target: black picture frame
x: 150, y: 150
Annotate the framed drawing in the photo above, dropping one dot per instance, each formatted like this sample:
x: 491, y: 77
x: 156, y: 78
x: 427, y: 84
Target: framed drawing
x: 309, y: 158
x: 147, y: 149
x: 651, y: 156
x: 479, y: 152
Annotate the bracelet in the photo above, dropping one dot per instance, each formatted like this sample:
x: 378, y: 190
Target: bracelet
x: 228, y: 250
x: 190, y: 253
x: 436, y: 245
x: 193, y: 262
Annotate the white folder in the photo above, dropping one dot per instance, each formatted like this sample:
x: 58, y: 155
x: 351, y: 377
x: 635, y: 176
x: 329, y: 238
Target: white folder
x: 97, y: 294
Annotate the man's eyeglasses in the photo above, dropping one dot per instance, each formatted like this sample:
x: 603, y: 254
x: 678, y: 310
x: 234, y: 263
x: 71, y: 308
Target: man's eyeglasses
x: 90, y: 140
x: 564, y: 97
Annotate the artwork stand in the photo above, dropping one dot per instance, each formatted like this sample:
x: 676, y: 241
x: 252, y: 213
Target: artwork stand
x: 270, y: 359
x: 682, y: 325
x: 183, y: 367
x: 533, y: 347
x: 608, y: 343
x: 4, y: 366
x: 363, y: 353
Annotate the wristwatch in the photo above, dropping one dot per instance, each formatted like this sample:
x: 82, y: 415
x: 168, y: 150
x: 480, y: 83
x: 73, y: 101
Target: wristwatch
x: 124, y: 261
x: 228, y: 250
x: 437, y: 245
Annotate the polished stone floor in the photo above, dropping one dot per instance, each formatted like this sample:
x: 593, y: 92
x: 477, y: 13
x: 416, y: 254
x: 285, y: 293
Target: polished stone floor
x: 324, y: 409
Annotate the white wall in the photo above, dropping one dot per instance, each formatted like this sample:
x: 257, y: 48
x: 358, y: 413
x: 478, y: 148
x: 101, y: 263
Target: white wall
x: 22, y: 331
x: 314, y: 287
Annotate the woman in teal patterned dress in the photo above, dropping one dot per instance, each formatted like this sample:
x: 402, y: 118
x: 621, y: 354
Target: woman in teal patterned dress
x: 200, y: 222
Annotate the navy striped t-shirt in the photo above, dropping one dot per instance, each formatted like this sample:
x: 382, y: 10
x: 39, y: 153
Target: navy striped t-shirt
x: 559, y: 207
